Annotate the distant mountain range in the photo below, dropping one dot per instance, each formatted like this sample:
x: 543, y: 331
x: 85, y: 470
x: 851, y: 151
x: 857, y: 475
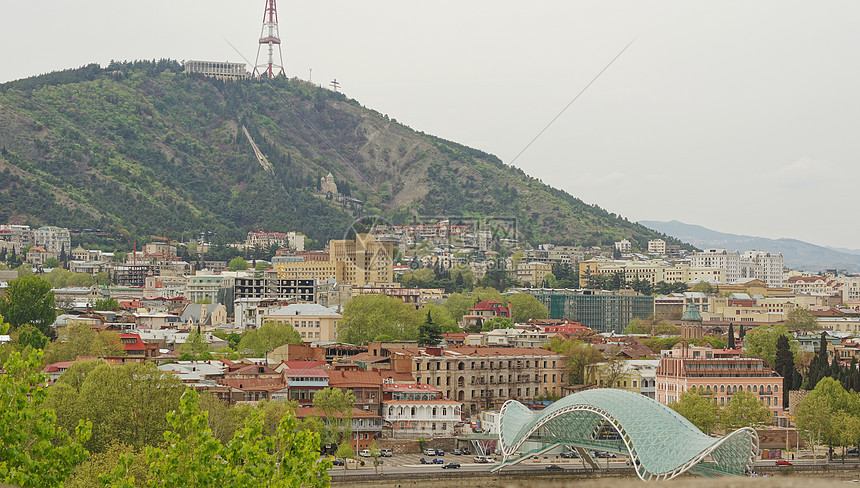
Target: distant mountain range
x: 798, y: 255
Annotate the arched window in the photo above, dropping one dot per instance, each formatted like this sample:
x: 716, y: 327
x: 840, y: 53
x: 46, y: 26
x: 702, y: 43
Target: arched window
x: 434, y: 411
x: 722, y: 389
x: 709, y: 387
x: 775, y: 389
x: 768, y: 389
x: 749, y: 389
x: 460, y: 366
x: 413, y: 411
x: 755, y: 388
x: 444, y: 411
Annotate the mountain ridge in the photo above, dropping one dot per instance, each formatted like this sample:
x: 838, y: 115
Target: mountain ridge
x: 141, y: 148
x: 797, y: 254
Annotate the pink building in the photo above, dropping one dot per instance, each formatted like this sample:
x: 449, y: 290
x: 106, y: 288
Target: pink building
x: 682, y: 370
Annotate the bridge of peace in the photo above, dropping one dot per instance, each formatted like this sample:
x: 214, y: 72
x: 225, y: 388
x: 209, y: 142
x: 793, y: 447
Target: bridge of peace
x: 660, y: 443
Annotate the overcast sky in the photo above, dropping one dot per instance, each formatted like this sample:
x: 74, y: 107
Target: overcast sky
x: 740, y: 116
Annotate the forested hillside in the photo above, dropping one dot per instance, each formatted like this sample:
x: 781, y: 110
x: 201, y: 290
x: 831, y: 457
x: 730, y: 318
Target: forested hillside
x: 143, y: 147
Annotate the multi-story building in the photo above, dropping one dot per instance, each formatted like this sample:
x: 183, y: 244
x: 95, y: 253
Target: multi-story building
x: 202, y: 287
x: 483, y: 378
x: 807, y: 285
x: 636, y: 375
x: 314, y: 322
x: 624, y: 246
x: 603, y: 311
x: 760, y: 265
x: 367, y: 262
x: 419, y: 410
x: 652, y: 271
x: 657, y: 246
x: 696, y: 369
x: 250, y: 292
x: 53, y: 239
x: 533, y: 273
x: 221, y: 70
x: 486, y: 311
x: 17, y: 236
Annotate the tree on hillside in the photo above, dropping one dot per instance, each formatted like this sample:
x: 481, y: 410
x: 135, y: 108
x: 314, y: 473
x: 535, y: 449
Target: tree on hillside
x: 367, y: 317
x: 526, y: 307
x: 30, y: 336
x: 258, y: 343
x: 442, y: 318
x: 29, y: 300
x: 784, y: 366
x: 106, y: 304
x: 699, y: 410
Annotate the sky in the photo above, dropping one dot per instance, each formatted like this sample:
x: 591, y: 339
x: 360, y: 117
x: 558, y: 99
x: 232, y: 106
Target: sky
x: 743, y: 117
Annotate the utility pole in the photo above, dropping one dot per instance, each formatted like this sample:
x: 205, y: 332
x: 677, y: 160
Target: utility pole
x: 334, y: 84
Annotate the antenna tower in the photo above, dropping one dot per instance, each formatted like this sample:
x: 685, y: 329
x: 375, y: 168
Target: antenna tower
x: 270, y: 37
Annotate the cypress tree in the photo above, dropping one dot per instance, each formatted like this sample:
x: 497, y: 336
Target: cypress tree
x: 732, y: 336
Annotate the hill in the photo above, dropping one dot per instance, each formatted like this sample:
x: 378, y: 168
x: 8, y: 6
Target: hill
x: 798, y: 255
x: 143, y: 147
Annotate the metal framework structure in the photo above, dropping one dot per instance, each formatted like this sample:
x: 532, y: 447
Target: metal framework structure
x: 269, y: 36
x: 661, y: 444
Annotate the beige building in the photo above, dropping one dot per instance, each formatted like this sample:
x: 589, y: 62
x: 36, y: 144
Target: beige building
x: 484, y: 378
x: 657, y: 246
x: 221, y: 70
x: 366, y: 261
x: 533, y: 273
x: 652, y: 271
x: 314, y: 322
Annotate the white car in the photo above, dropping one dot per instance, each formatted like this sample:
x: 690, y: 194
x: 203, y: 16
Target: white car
x: 364, y: 453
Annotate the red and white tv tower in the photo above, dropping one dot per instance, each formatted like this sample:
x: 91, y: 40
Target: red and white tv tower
x: 270, y: 37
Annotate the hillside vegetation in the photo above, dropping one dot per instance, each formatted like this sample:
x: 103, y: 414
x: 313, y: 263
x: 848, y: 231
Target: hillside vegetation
x: 143, y: 147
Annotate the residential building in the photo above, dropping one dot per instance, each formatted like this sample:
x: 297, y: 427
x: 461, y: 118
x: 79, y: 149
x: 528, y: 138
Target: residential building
x: 760, y: 265
x: 366, y: 426
x: 486, y: 311
x: 533, y: 273
x: 657, y: 246
x: 202, y: 287
x: 483, y: 378
x: 367, y: 262
x: 314, y: 322
x: 53, y: 239
x: 636, y: 375
x: 366, y: 386
x: 416, y: 410
x: 37, y: 255
x: 696, y: 369
x: 249, y: 293
x: 624, y: 246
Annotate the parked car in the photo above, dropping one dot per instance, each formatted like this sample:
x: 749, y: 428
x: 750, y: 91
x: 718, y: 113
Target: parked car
x: 386, y: 453
x: 438, y: 461
x: 429, y: 452
x: 569, y: 455
x: 440, y: 452
x: 457, y: 452
x: 364, y: 453
x: 426, y: 461
x: 484, y: 459
x: 603, y: 454
x: 451, y: 466
x: 337, y: 462
x: 554, y: 467
x: 467, y: 451
x: 783, y: 462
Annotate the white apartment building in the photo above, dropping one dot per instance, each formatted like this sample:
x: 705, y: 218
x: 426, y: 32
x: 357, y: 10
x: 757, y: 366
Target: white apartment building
x: 53, y: 239
x: 624, y: 245
x: 760, y: 265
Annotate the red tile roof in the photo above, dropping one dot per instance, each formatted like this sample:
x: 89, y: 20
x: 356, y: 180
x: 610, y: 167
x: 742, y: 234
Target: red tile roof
x: 354, y: 379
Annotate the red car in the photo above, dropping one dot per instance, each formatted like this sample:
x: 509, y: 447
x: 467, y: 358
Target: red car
x: 782, y: 462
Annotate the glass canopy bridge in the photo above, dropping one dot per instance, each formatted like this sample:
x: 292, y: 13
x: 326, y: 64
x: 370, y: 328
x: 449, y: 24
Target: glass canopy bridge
x: 660, y: 443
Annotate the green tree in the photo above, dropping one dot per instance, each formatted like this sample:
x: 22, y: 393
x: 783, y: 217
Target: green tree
x: 51, y: 263
x: 237, y: 264
x: 814, y: 420
x: 699, y: 410
x: 375, y: 452
x: 526, y: 307
x: 258, y: 343
x: 580, y: 356
x: 77, y: 338
x: 441, y: 317
x: 784, y: 366
x: 761, y: 342
x: 704, y: 287
x: 195, y: 344
x: 744, y: 410
x: 194, y: 457
x: 497, y: 323
x: 29, y: 300
x: 109, y: 303
x: 366, y: 317
x: 125, y: 403
x: 88, y: 473
x: 34, y: 450
x: 429, y: 333
x: 345, y: 452
x: 801, y: 319
x: 336, y: 405
x: 30, y: 336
